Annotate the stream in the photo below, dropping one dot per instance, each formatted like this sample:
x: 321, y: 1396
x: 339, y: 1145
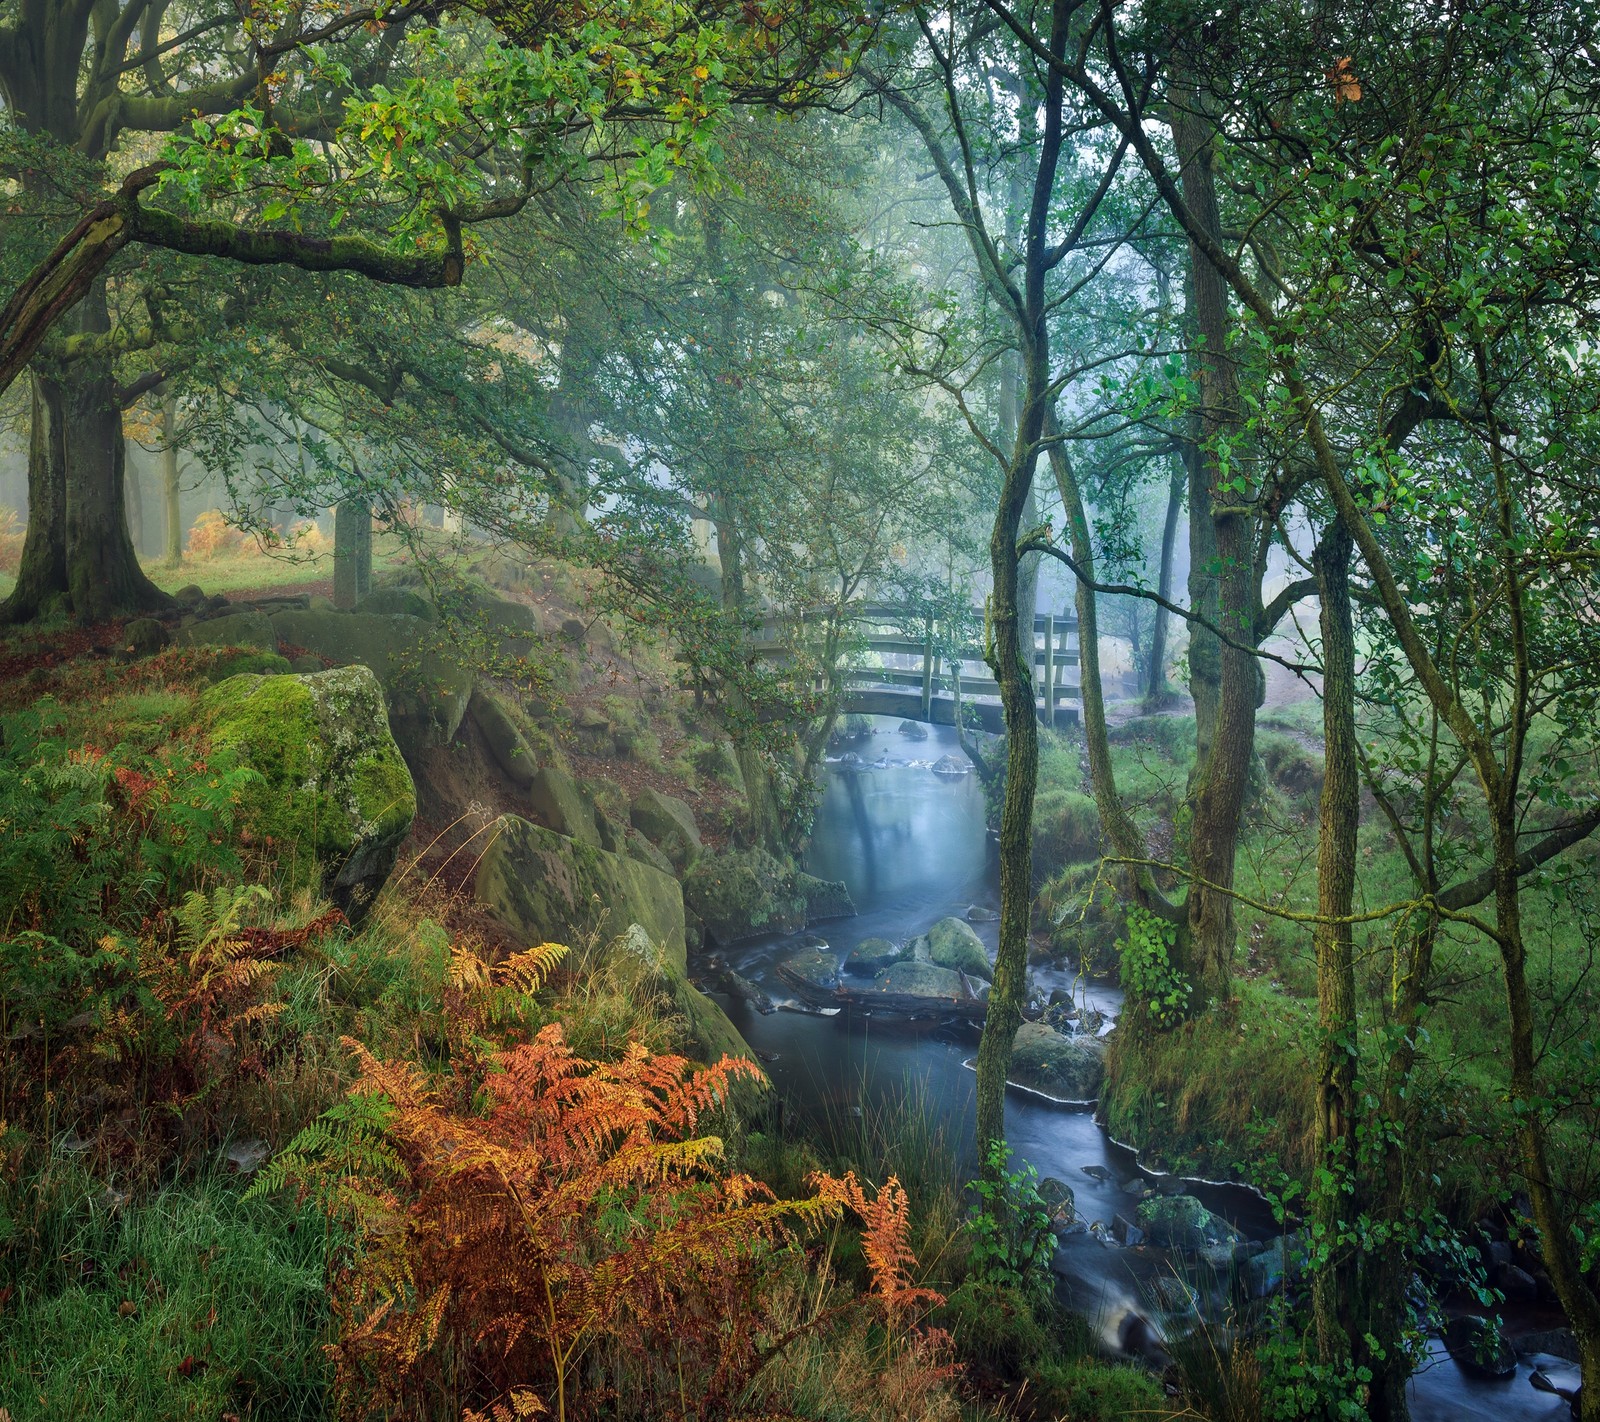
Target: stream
x: 913, y: 848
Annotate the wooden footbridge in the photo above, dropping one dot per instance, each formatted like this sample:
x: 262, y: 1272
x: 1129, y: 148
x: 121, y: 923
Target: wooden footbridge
x: 900, y: 670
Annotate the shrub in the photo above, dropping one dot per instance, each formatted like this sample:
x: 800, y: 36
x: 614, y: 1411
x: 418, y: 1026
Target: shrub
x: 212, y: 536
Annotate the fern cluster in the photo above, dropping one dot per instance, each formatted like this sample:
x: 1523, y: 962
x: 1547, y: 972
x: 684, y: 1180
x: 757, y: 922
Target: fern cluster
x: 515, y: 1223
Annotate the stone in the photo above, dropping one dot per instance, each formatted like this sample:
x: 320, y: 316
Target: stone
x: 1552, y: 1342
x: 234, y: 629
x: 952, y: 765
x: 549, y: 887
x: 190, y: 595
x: 1068, y: 1068
x: 872, y: 955
x: 1264, y: 1273
x: 978, y: 913
x: 144, y: 637
x: 669, y: 824
x: 573, y: 629
x: 384, y: 602
x: 504, y: 737
x: 335, y: 800
x: 910, y: 986
x: 242, y: 661
x: 1056, y: 1195
x: 307, y: 664
x: 913, y: 730
x: 425, y: 684
x: 1517, y: 1285
x: 559, y: 804
x: 743, y: 990
x: 953, y: 944
x: 825, y: 898
x: 613, y: 837
x: 1125, y: 1231
x: 1480, y: 1348
x: 812, y: 970
x: 744, y: 894
x: 712, y: 1035
x: 1182, y: 1222
x: 641, y: 848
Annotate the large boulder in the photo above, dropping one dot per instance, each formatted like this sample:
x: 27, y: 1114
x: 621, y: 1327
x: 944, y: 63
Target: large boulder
x: 711, y: 1033
x: 549, y: 887
x: 234, y: 629
x: 920, y: 987
x: 1182, y: 1222
x: 385, y: 602
x: 1068, y: 1068
x: 504, y: 737
x: 953, y: 944
x: 743, y: 894
x: 669, y: 824
x: 1480, y: 1348
x: 425, y: 683
x: 825, y: 898
x: 812, y: 970
x: 560, y: 805
x: 335, y: 800
x: 872, y: 955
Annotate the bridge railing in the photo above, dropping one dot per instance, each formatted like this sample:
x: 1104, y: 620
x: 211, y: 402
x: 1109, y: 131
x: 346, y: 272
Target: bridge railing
x: 923, y: 662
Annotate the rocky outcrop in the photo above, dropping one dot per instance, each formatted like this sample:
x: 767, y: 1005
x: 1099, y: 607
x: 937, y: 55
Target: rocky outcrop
x: 559, y: 804
x: 953, y: 944
x: 812, y: 970
x: 334, y: 800
x: 549, y: 887
x: 504, y: 737
x: 669, y: 824
x: 825, y: 898
x: 235, y: 629
x: 743, y: 894
x: 1068, y: 1068
x: 1182, y: 1222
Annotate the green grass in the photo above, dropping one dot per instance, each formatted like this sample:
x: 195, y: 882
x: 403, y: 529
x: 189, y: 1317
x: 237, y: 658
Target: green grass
x: 188, y: 1305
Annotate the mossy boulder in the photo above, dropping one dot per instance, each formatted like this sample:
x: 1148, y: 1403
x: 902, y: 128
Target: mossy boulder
x: 240, y: 661
x: 1068, y: 1068
x: 559, y: 804
x: 335, y: 800
x: 503, y: 736
x: 669, y: 824
x: 234, y: 629
x: 812, y: 970
x: 1182, y: 1222
x: 549, y: 887
x: 425, y: 684
x: 920, y: 987
x: 825, y: 898
x: 711, y: 1033
x: 872, y: 955
x: 743, y: 894
x: 953, y: 944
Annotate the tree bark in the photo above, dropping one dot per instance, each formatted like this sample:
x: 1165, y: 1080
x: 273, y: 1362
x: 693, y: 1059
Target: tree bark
x: 1336, y: 1200
x: 352, y: 552
x: 1158, y: 691
x: 171, y: 486
x: 42, y: 575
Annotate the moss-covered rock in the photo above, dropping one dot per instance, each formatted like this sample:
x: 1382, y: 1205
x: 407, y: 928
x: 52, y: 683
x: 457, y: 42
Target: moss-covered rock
x: 641, y: 848
x: 669, y: 824
x: 235, y: 629
x: 385, y: 602
x: 825, y: 898
x: 335, y: 800
x: 243, y: 661
x: 1069, y: 1068
x: 744, y: 893
x: 1182, y: 1222
x: 711, y: 1032
x: 953, y: 944
x: 560, y: 805
x: 917, y: 987
x: 549, y: 887
x: 504, y: 737
x: 425, y: 683
x: 813, y: 970
x: 872, y: 955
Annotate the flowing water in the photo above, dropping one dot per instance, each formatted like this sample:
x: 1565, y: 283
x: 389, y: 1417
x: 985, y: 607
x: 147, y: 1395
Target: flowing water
x: 913, y: 848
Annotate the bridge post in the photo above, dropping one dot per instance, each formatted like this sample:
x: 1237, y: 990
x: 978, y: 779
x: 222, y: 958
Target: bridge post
x: 1050, y: 671
x: 927, y: 667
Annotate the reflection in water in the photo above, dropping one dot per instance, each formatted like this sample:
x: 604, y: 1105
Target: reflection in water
x: 912, y: 847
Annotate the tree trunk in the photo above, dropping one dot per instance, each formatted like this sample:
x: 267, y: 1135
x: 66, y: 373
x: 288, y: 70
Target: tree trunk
x: 171, y: 487
x: 134, y: 491
x: 352, y: 552
x: 103, y: 571
x: 1158, y: 691
x: 1337, y: 1303
x: 1222, y: 583
x: 42, y: 575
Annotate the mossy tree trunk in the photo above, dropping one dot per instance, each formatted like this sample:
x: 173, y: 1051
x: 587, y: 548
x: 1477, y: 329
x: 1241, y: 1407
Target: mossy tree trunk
x: 171, y: 485
x: 352, y: 552
x: 42, y: 575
